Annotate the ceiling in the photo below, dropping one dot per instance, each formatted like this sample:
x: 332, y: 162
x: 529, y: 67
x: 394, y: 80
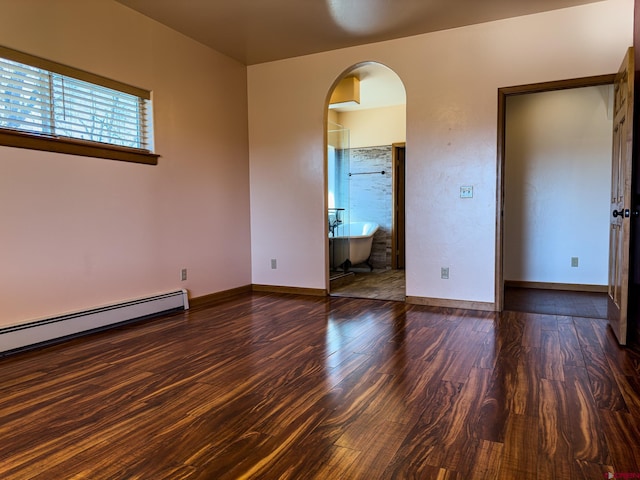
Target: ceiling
x: 257, y: 31
x: 379, y: 87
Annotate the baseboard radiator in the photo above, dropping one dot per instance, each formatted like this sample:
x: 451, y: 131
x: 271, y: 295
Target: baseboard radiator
x: 36, y: 333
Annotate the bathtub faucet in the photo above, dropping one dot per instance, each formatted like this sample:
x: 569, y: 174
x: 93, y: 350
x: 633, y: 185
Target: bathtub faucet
x: 336, y: 220
x: 333, y: 225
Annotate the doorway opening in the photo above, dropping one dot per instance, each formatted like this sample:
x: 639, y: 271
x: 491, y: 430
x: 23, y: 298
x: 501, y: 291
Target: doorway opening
x: 366, y: 131
x: 553, y: 185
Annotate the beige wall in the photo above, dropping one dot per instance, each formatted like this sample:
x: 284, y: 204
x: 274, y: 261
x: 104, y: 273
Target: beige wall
x: 451, y: 78
x: 334, y: 117
x: 376, y: 126
x: 557, y: 186
x: 79, y: 232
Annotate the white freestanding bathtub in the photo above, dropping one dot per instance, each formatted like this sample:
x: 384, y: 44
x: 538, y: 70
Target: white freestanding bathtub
x: 351, y: 244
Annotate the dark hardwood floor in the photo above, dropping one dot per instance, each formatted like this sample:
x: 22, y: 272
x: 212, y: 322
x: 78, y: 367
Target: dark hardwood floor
x: 273, y: 386
x: 556, y: 302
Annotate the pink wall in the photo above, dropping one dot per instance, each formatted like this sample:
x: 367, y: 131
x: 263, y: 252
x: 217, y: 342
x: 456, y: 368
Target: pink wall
x: 452, y: 78
x: 79, y: 232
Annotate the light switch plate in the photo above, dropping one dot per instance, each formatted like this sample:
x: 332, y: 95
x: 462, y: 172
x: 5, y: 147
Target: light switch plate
x: 466, y: 192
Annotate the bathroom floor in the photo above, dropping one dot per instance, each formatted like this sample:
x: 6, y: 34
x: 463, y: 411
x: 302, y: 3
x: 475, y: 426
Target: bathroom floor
x: 379, y: 284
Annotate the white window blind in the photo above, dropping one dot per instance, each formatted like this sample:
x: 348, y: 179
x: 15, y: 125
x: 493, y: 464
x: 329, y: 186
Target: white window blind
x: 25, y: 98
x: 42, y: 102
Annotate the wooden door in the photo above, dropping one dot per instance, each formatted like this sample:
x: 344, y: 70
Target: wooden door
x: 398, y: 233
x: 620, y: 228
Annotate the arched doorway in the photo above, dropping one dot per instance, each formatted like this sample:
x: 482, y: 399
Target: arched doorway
x: 366, y: 131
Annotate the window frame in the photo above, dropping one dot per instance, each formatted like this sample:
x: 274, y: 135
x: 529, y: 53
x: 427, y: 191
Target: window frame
x: 13, y: 138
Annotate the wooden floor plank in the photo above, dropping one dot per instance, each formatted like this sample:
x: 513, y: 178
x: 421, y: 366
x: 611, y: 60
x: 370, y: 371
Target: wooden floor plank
x: 570, y: 350
x: 423, y: 449
x: 494, y: 411
x: 270, y: 386
x: 462, y: 439
x: 623, y: 440
x: 555, y: 451
x: 520, y: 452
x: 551, y: 355
x: 486, y: 464
x: 587, y: 437
x: 602, y: 380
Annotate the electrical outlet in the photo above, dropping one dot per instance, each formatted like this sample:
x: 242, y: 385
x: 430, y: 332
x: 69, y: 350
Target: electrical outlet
x: 574, y: 261
x: 183, y: 274
x: 444, y: 273
x: 274, y: 264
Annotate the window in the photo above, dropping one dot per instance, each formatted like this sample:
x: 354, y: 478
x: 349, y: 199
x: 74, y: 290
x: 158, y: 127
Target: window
x: 47, y: 106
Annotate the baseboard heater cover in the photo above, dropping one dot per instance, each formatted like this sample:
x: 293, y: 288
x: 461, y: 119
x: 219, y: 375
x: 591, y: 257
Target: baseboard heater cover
x: 26, y: 335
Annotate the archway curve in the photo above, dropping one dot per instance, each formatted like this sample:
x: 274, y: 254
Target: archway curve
x: 381, y: 87
x: 359, y: 67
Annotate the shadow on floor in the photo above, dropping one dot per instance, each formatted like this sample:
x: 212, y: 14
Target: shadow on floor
x: 556, y: 302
